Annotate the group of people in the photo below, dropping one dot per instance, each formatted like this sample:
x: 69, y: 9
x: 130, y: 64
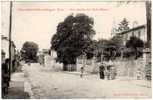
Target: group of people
x: 107, y: 71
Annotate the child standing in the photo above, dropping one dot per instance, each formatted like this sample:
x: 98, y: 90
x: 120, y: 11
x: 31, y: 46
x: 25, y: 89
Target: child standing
x: 82, y: 70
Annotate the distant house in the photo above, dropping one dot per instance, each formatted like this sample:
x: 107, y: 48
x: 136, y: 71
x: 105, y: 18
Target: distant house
x: 53, y: 53
x: 50, y: 52
x: 139, y: 31
x: 5, y: 47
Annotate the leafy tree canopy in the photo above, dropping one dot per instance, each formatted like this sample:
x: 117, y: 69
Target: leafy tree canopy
x: 135, y: 45
x: 73, y: 38
x: 134, y: 42
x: 29, y: 51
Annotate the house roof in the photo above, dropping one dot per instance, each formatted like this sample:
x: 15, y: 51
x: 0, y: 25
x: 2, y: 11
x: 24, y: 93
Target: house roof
x: 133, y: 29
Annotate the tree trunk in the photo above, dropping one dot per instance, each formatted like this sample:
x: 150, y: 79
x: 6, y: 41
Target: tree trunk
x: 73, y: 67
x: 65, y: 67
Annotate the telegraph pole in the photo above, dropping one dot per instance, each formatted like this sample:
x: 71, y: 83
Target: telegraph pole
x: 148, y: 19
x: 10, y: 40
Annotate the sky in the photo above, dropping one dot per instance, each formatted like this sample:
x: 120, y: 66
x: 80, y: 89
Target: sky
x: 37, y: 21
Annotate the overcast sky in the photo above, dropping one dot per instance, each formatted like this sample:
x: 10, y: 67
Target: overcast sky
x: 37, y: 21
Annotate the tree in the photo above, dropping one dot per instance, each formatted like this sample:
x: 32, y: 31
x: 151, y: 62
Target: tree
x: 91, y: 49
x: 29, y: 51
x: 136, y: 45
x: 117, y: 41
x: 111, y: 47
x: 134, y: 42
x: 123, y: 26
x: 72, y: 39
x: 101, y: 49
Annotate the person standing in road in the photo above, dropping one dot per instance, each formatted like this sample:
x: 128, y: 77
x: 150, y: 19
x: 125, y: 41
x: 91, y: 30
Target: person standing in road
x: 5, y: 77
x: 101, y: 71
x: 82, y: 71
x: 108, y: 72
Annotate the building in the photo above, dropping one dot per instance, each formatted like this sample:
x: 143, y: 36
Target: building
x: 5, y: 47
x: 139, y: 31
x: 45, y: 51
x: 140, y: 68
x: 5, y: 51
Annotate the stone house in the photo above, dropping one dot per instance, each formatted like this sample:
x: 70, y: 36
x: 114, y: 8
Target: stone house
x: 139, y: 32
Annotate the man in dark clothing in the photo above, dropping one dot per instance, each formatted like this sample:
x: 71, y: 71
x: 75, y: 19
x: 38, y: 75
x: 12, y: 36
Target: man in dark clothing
x: 101, y: 71
x: 5, y: 77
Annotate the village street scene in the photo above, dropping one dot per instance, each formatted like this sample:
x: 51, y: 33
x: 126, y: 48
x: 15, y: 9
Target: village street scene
x: 73, y: 50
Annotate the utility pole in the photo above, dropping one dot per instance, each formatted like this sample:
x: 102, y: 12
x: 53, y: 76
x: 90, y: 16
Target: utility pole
x: 10, y: 40
x: 148, y: 19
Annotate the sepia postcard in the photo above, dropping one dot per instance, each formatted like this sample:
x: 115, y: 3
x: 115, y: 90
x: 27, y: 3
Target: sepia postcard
x: 76, y: 49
